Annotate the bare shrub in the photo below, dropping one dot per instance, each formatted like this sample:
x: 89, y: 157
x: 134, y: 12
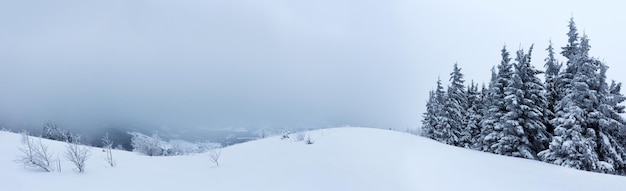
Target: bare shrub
x: 34, y: 154
x: 77, y: 153
x: 214, y: 155
x: 285, y: 135
x: 107, y: 145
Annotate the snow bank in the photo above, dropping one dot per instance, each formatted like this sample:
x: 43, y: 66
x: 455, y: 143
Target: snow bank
x: 340, y: 159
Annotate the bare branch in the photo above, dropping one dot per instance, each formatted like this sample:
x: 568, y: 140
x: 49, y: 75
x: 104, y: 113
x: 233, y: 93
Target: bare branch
x: 77, y: 153
x: 34, y: 154
x: 215, y: 155
x: 107, y: 146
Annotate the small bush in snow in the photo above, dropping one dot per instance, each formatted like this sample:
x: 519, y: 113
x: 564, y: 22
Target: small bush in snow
x: 34, y: 154
x: 107, y: 145
x: 77, y: 153
x: 285, y: 135
x: 214, y: 155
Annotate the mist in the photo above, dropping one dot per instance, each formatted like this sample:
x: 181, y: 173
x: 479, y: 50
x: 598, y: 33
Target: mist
x: 193, y: 65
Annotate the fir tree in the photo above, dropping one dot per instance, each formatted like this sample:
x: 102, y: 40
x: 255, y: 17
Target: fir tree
x: 508, y: 134
x: 450, y: 110
x: 572, y: 48
x: 474, y: 115
x: 442, y: 130
x: 575, y: 140
x: 520, y: 131
x: 429, y: 121
x: 611, y: 125
x: 433, y: 113
x: 531, y: 105
x: 552, y: 93
x: 570, y: 51
x: 497, y: 107
x: 573, y: 118
x: 456, y: 107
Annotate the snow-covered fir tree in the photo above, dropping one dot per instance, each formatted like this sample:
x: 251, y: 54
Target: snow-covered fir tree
x: 508, y: 134
x: 487, y: 102
x: 570, y: 52
x: 575, y: 141
x: 616, y: 97
x: 456, y: 108
x: 442, y: 130
x: 429, y: 120
x: 520, y: 131
x: 436, y: 122
x: 613, y: 100
x: 573, y: 118
x: 611, y: 125
x: 530, y: 113
x: 534, y: 104
x: 496, y: 108
x: 553, y: 67
x: 474, y: 114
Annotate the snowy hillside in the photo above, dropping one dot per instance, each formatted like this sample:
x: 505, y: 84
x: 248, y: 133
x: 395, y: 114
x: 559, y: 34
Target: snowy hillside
x: 340, y: 159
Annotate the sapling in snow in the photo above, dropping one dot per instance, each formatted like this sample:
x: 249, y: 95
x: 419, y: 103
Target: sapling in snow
x: 77, y: 153
x: 214, y: 155
x: 107, y: 145
x: 34, y: 154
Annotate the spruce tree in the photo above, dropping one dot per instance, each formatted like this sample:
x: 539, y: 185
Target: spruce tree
x: 573, y: 118
x: 611, y: 125
x: 474, y: 115
x: 613, y: 100
x: 575, y: 140
x: 429, y: 120
x: 442, y: 130
x: 433, y: 114
x: 455, y: 110
x: 508, y: 133
x: 520, y: 131
x: 552, y: 93
x: 570, y: 52
x: 496, y: 107
x: 531, y: 111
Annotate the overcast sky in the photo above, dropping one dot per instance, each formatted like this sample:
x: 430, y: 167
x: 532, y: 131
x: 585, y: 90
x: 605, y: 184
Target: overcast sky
x: 271, y: 63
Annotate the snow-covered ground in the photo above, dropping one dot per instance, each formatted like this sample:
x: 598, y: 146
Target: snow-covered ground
x: 340, y: 159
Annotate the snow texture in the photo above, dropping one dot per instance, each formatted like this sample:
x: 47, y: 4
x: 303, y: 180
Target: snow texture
x: 341, y: 159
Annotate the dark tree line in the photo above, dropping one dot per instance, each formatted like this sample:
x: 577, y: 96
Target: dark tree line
x: 572, y: 118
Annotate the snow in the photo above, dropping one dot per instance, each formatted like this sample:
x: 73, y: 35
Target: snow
x: 346, y: 158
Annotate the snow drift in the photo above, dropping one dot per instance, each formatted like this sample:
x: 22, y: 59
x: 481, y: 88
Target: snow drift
x: 340, y: 159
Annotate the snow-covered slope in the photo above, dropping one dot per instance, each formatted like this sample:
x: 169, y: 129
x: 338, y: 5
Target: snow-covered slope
x: 341, y: 159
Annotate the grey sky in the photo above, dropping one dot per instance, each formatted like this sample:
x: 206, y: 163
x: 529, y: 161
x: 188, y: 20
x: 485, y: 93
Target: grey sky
x: 273, y: 63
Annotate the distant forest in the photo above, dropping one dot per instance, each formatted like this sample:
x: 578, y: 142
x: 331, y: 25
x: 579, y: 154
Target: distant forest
x: 571, y: 118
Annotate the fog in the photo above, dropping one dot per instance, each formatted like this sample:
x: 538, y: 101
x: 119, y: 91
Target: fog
x: 191, y: 64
